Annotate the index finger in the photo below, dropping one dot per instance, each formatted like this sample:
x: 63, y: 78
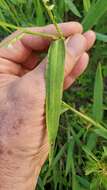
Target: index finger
x: 22, y: 49
x: 40, y: 44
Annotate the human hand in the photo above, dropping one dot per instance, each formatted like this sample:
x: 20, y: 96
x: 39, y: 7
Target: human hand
x: 23, y: 134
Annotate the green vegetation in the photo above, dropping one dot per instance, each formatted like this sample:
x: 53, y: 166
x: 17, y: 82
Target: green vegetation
x: 80, y: 156
x: 54, y: 88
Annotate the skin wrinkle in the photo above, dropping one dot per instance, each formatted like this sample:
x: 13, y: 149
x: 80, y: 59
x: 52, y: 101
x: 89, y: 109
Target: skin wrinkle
x: 9, y: 67
x: 6, y: 121
x: 14, y: 52
x: 18, y: 94
x: 21, y: 180
x: 17, y: 99
x: 6, y: 79
x: 8, y: 173
x: 2, y: 149
x: 15, y: 124
x: 9, y: 152
x: 4, y: 115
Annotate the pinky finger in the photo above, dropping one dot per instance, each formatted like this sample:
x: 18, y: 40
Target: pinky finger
x: 78, y: 69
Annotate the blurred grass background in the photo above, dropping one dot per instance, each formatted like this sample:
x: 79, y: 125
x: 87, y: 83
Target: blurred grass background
x: 72, y: 168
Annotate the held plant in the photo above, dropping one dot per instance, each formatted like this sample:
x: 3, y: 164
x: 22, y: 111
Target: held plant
x: 54, y: 84
x: 54, y: 90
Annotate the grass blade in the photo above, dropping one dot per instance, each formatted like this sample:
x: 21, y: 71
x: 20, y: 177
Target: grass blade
x: 40, y: 184
x: 84, y: 182
x: 87, y: 5
x: 64, y: 108
x: 69, y: 156
x: 91, y: 140
x: 101, y: 132
x: 75, y: 184
x: 89, y: 154
x: 40, y: 19
x: 94, y: 14
x: 99, y: 129
x: 101, y: 37
x: 98, y: 96
x: 72, y: 7
x: 55, y: 161
x: 83, y: 116
x: 54, y: 89
x: 97, y: 108
x: 59, y: 10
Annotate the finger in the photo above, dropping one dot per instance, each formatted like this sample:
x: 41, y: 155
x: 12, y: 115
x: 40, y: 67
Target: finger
x: 40, y: 44
x: 15, y: 52
x: 91, y: 37
x: 31, y: 40
x: 79, y: 43
x: 20, y: 51
x: 77, y: 70
x: 32, y: 61
x: 7, y: 67
x: 75, y: 47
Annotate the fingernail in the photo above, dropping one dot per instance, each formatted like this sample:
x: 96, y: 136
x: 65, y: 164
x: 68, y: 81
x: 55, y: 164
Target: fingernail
x: 91, y: 33
x: 90, y: 37
x: 76, y: 45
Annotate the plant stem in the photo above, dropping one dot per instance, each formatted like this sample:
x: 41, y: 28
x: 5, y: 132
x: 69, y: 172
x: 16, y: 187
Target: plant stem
x: 24, y: 31
x: 53, y: 20
x: 44, y: 35
x: 86, y: 118
x: 11, y: 41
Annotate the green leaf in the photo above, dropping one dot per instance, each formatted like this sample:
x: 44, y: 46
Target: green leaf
x: 89, y: 153
x: 98, y: 96
x: 40, y: 19
x: 101, y: 37
x: 97, y: 106
x: 55, y: 160
x: 40, y: 184
x: 87, y: 5
x: 69, y: 156
x: 64, y: 108
x: 84, y: 182
x: 82, y: 116
x: 59, y: 155
x: 95, y: 13
x: 104, y: 154
x: 94, y: 184
x: 91, y: 140
x: 59, y: 10
x: 16, y: 2
x: 54, y: 90
x: 102, y: 132
x: 91, y: 167
x: 72, y: 7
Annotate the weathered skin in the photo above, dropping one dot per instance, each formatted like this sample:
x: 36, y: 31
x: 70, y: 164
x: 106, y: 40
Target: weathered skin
x: 23, y: 135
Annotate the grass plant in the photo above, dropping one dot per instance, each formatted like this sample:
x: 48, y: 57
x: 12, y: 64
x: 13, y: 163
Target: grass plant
x: 78, y: 149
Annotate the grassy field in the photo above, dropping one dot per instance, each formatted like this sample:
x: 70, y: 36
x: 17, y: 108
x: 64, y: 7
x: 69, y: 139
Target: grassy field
x: 80, y: 158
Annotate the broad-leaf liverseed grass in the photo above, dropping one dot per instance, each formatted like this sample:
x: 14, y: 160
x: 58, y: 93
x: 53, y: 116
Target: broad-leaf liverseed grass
x: 54, y: 90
